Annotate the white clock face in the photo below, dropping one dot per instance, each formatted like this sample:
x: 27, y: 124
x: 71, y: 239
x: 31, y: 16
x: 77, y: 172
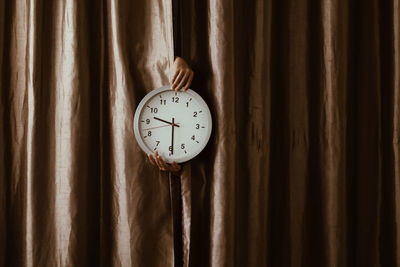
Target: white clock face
x: 176, y: 124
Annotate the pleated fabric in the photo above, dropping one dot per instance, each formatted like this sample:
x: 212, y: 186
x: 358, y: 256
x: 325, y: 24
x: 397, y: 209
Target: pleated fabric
x: 302, y: 167
x: 75, y: 188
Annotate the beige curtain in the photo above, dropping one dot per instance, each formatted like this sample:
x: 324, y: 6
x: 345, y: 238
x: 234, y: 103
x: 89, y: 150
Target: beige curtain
x: 304, y: 165
x: 302, y: 168
x: 75, y: 188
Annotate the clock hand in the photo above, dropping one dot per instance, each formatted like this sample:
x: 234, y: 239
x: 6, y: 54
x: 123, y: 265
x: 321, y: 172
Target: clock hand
x: 158, y: 127
x: 165, y: 121
x: 172, y: 136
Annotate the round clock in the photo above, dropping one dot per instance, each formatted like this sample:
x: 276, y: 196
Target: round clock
x: 177, y: 124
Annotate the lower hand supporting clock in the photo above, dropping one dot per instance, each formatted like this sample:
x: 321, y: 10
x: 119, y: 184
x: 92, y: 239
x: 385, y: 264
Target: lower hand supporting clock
x: 158, y: 161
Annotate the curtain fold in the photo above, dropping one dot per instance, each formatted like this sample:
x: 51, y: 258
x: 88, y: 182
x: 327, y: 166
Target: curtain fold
x: 75, y: 188
x: 302, y: 167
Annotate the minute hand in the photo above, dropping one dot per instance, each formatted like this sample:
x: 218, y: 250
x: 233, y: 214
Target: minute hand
x: 170, y: 123
x: 172, y: 137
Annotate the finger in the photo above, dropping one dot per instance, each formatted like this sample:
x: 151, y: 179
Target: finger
x: 164, y: 165
x: 175, y: 76
x: 159, y: 161
x: 189, y: 82
x: 178, y: 78
x: 152, y: 161
x: 175, y: 166
x: 183, y: 80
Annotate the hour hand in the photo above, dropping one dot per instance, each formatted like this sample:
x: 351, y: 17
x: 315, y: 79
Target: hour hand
x: 170, y: 123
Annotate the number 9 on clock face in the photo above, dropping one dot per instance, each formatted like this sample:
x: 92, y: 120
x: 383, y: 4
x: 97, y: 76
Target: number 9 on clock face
x: 176, y: 124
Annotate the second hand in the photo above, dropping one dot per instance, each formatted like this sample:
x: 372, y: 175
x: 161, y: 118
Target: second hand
x: 157, y: 127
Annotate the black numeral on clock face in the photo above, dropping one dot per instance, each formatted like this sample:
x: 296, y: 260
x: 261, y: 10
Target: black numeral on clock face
x: 153, y: 110
x: 197, y: 126
x: 187, y: 103
x: 149, y: 133
x: 175, y: 99
x: 157, y: 143
x: 163, y: 101
x: 147, y: 121
x: 195, y: 114
x: 193, y: 137
x: 170, y: 148
x: 182, y: 146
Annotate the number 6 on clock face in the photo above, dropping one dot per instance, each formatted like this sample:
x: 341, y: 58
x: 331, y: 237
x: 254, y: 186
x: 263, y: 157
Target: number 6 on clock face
x: 176, y: 124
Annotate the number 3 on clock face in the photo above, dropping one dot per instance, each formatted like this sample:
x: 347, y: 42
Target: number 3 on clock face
x: 176, y: 124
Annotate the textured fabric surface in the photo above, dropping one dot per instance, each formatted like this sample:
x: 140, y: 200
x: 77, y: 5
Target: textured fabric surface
x: 302, y: 168
x: 305, y: 166
x: 76, y: 190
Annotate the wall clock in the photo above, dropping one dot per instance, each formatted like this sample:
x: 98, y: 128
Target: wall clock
x: 176, y: 124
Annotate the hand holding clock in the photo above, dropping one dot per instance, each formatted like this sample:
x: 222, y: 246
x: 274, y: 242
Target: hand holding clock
x: 157, y: 160
x: 160, y: 163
